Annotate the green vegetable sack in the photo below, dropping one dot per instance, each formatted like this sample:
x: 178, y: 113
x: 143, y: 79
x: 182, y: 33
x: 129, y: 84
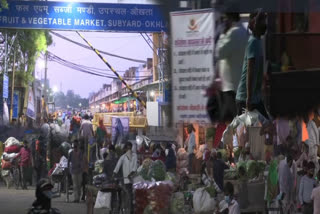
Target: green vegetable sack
x: 211, y: 191
x: 177, y: 203
x: 157, y: 171
x: 252, y: 169
x: 223, y: 154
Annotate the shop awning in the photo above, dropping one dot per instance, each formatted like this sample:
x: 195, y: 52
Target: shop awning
x: 123, y: 100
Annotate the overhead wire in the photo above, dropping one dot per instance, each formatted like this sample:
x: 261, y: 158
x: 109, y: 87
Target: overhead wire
x: 103, y: 52
x: 87, y: 69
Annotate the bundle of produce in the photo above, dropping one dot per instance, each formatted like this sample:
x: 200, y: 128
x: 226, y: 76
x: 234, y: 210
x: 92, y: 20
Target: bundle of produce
x: 157, y: 171
x: 211, y: 191
x: 223, y: 154
x: 171, y: 177
x: 159, y: 196
x: 230, y: 174
x: 147, y: 163
x: 177, y: 203
x: 261, y: 166
x: 141, y: 196
x: 11, y: 141
x: 182, y: 161
x: 11, y: 151
x: 252, y: 169
x: 144, y: 173
x: 59, y: 135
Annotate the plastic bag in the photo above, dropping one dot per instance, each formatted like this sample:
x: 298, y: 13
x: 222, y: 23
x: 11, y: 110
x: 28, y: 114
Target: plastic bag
x: 103, y: 200
x: 63, y: 162
x: 5, y: 173
x: 99, y: 179
x: 9, y: 157
x: 12, y: 141
x: 98, y: 166
x: 202, y: 202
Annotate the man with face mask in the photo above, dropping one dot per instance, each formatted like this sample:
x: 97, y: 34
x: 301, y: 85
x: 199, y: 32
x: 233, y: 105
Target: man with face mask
x: 307, y: 184
x: 249, y: 94
x: 233, y: 206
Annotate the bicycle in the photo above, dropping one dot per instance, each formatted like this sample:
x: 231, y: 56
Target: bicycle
x: 116, y: 187
x: 16, y: 173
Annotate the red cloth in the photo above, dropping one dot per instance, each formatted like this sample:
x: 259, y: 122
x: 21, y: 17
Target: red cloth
x: 5, y: 164
x: 25, y: 157
x: 12, y: 149
x: 219, y: 131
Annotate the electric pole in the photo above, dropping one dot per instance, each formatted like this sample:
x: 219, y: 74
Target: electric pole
x: 12, y: 87
x: 45, y: 78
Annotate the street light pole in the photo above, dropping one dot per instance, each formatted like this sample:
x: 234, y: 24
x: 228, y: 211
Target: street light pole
x: 45, y: 77
x: 12, y: 87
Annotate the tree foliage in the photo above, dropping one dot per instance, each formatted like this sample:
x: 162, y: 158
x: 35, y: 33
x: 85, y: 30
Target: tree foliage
x: 70, y: 99
x: 28, y: 45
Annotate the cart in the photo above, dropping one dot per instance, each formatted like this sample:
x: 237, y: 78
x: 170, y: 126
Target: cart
x: 61, y: 179
x: 116, y: 188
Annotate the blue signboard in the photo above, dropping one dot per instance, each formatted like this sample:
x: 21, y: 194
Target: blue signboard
x: 15, y: 104
x: 83, y: 16
x: 5, y: 86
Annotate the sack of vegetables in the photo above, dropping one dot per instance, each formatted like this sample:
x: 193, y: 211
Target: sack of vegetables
x: 157, y: 171
x: 153, y: 197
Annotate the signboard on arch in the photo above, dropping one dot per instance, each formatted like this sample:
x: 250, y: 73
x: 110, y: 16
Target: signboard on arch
x: 83, y: 16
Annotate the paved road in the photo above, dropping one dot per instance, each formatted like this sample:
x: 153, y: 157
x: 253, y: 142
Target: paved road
x: 14, y: 201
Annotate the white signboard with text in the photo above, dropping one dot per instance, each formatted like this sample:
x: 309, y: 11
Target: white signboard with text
x: 192, y: 64
x: 30, y: 108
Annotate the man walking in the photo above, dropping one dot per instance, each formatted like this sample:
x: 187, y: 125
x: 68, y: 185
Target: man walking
x: 249, y: 93
x: 230, y: 52
x: 76, y: 166
x: 86, y: 132
x: 42, y: 150
x: 191, y: 145
x: 307, y: 184
x: 286, y: 182
x: 129, y: 164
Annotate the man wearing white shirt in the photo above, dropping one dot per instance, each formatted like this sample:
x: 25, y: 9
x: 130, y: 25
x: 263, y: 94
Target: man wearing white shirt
x: 313, y: 142
x: 230, y: 53
x: 129, y: 164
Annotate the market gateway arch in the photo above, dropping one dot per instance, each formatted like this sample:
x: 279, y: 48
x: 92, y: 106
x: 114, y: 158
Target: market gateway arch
x: 74, y: 16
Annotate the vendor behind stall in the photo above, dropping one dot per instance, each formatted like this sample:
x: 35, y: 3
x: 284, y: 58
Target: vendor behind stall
x: 218, y: 170
x: 233, y: 205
